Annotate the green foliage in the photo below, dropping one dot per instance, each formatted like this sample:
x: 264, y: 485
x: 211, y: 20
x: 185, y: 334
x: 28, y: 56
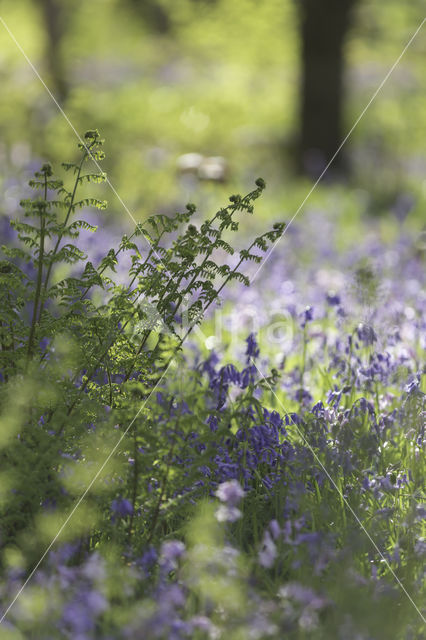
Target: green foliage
x: 196, y: 88
x: 83, y: 344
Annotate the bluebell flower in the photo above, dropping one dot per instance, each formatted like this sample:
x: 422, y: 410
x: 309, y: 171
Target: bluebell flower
x: 205, y: 625
x: 292, y: 418
x: 275, y: 419
x: 306, y: 316
x: 366, y: 406
x: 385, y: 483
x: 247, y: 376
x: 212, y: 422
x: 413, y: 386
x: 78, y: 618
x: 268, y: 551
x: 366, y: 483
x: 230, y: 374
x: 303, y: 595
x: 366, y: 334
x: 266, y: 480
x: 275, y: 529
x: 230, y: 492
x: 96, y: 601
x: 333, y: 299
x: 225, y: 513
x: 148, y: 560
x: 44, y: 343
x: 171, y: 596
x: 303, y: 396
x: 122, y: 507
x: 334, y: 397
x: 49, y: 504
x: 318, y: 409
x: 252, y: 350
x: 172, y: 550
x: 64, y: 553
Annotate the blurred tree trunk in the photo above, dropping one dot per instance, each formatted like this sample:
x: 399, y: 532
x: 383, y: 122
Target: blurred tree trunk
x: 53, y: 13
x: 153, y: 14
x: 323, y: 27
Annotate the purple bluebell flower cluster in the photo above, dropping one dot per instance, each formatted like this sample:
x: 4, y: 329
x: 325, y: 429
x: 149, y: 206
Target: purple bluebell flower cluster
x: 230, y: 511
x: 121, y: 507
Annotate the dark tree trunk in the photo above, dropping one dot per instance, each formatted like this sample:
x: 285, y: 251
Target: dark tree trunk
x: 54, y: 22
x: 153, y: 14
x: 323, y: 27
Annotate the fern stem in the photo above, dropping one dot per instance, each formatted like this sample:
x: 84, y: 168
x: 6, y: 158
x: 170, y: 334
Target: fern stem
x: 134, y: 483
x: 39, y: 269
x: 61, y: 233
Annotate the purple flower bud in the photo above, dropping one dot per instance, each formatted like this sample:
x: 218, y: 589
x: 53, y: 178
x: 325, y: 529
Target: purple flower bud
x: 332, y: 298
x: 307, y: 315
x: 252, y: 350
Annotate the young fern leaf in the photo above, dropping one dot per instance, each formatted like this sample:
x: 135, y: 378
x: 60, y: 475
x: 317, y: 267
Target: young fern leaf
x: 121, y: 337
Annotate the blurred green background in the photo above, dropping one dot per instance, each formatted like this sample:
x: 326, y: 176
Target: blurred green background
x: 218, y: 78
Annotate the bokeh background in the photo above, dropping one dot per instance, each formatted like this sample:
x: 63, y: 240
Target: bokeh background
x: 221, y: 80
x: 196, y: 99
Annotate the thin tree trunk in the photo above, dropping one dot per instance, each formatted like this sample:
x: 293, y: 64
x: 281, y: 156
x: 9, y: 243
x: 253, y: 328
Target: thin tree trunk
x: 54, y: 21
x: 324, y: 26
